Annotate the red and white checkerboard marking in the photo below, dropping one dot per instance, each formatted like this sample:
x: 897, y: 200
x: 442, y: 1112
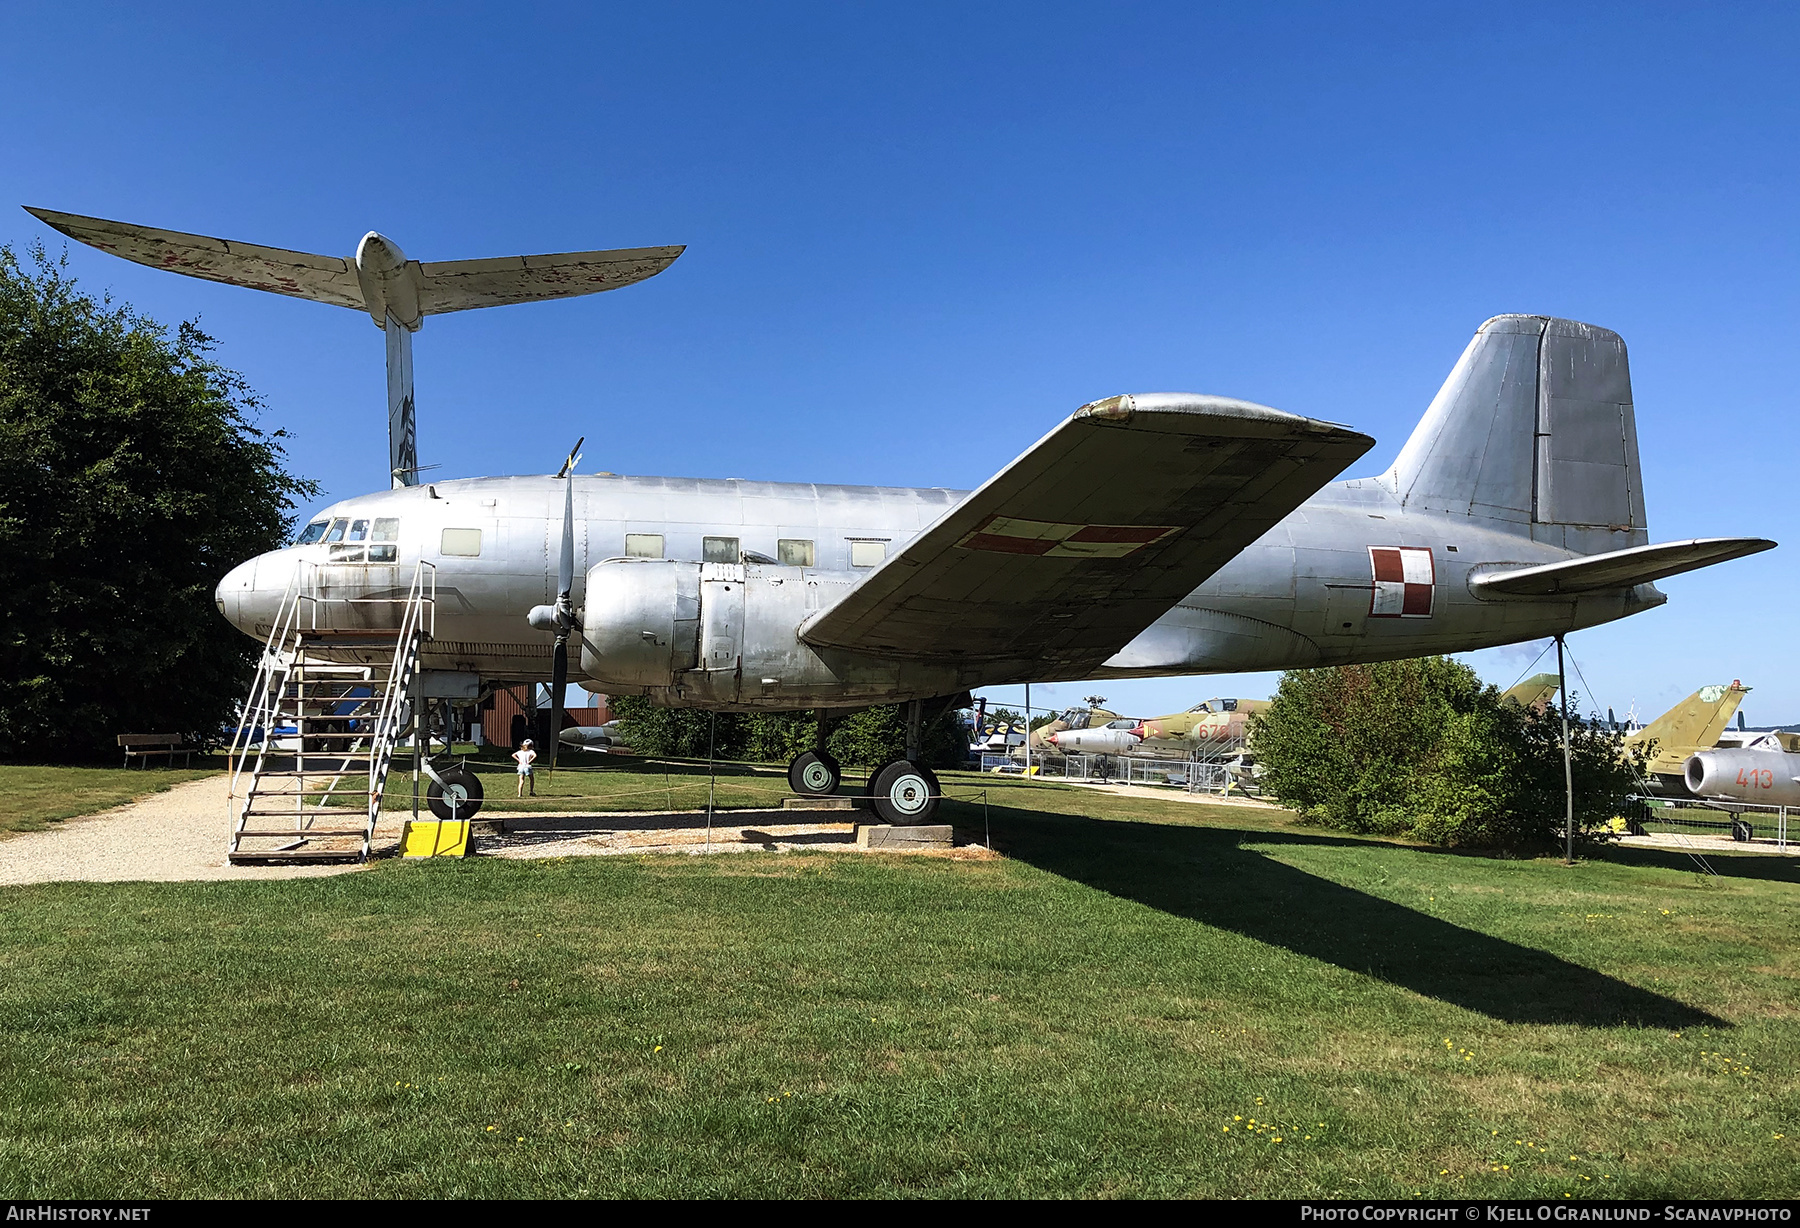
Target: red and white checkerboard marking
x: 1405, y: 577
x: 1009, y: 535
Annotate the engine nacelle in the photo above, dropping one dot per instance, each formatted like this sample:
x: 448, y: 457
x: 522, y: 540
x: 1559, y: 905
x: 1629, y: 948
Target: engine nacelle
x: 1764, y: 776
x: 727, y: 635
x: 640, y: 625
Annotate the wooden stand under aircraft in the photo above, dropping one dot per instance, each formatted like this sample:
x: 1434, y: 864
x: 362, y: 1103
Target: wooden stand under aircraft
x: 1144, y: 535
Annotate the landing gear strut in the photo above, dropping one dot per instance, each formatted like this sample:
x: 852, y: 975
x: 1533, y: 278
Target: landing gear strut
x: 906, y: 792
x: 816, y: 773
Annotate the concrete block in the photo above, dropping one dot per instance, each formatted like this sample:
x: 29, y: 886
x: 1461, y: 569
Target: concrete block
x: 883, y: 836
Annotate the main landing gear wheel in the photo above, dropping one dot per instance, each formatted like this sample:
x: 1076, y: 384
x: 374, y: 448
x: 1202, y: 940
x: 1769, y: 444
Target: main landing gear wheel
x: 905, y: 794
x: 460, y: 785
x: 814, y: 774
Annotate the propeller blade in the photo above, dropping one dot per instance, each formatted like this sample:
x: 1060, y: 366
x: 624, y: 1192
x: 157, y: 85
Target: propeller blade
x: 559, y: 683
x: 568, y: 466
x: 565, y: 571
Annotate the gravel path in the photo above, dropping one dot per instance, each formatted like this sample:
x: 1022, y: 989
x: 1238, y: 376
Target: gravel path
x: 175, y: 836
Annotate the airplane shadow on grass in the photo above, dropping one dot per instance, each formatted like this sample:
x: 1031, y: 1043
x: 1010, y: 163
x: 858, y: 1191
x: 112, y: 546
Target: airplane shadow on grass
x: 1205, y: 875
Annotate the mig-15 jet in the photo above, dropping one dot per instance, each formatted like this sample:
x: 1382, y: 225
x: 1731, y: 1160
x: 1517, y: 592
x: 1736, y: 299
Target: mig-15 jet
x: 1146, y: 534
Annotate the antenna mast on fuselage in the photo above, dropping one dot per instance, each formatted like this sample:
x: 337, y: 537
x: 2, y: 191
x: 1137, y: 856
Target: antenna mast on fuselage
x: 396, y: 292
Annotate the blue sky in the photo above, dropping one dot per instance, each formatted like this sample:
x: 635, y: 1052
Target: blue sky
x: 918, y: 235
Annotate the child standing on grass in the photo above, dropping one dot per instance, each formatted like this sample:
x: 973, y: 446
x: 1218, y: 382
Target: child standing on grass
x: 525, y: 756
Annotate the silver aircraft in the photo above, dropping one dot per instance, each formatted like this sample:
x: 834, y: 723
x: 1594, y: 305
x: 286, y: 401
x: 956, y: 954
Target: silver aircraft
x: 1146, y: 535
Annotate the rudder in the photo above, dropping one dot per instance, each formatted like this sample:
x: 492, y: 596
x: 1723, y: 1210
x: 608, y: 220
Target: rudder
x: 1534, y: 429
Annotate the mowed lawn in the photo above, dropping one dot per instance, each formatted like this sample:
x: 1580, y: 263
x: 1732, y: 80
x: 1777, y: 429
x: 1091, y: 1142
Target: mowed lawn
x: 1139, y: 998
x: 34, y: 797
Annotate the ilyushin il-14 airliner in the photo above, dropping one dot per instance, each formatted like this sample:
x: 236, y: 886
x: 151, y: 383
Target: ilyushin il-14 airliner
x: 1145, y: 535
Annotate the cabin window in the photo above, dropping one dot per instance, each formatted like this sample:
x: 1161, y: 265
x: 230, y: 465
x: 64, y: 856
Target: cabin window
x: 336, y: 532
x: 867, y: 553
x: 312, y: 533
x: 794, y: 552
x: 719, y: 550
x: 462, y: 543
x: 383, y: 539
x: 643, y: 545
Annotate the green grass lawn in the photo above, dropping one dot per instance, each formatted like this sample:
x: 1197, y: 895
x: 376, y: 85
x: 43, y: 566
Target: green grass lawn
x: 34, y: 797
x: 1141, y: 998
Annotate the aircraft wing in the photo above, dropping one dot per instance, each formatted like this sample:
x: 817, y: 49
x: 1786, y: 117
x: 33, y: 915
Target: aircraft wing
x: 1064, y: 556
x: 1617, y: 568
x: 457, y: 285
x: 326, y: 279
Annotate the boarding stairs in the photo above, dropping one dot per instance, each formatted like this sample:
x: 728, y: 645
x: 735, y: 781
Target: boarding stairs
x: 332, y: 701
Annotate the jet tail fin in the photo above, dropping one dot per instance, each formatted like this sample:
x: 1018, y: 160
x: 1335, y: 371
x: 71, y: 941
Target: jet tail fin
x: 1693, y: 724
x: 1535, y: 430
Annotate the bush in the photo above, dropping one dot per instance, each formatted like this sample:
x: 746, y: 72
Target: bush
x: 866, y: 738
x: 1421, y: 748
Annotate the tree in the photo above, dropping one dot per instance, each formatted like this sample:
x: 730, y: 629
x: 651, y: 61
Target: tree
x: 866, y: 738
x: 131, y: 480
x: 1422, y: 748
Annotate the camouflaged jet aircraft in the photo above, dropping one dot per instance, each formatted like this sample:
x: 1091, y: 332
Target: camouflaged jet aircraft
x: 1145, y: 535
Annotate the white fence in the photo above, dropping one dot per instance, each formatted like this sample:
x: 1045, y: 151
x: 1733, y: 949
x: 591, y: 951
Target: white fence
x: 1212, y: 772
x: 1744, y: 822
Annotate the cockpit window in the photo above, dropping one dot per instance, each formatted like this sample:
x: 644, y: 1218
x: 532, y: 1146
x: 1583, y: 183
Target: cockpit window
x: 312, y: 533
x: 356, y: 540
x: 386, y: 530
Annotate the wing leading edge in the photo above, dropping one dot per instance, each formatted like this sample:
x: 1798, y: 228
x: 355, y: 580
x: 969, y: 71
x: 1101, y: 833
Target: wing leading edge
x: 1064, y: 556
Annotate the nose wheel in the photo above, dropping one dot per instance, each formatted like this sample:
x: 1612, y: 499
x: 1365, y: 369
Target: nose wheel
x: 814, y: 774
x: 456, y: 794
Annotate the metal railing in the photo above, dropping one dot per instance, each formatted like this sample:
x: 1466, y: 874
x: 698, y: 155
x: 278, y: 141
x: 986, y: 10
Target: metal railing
x: 417, y: 625
x: 1741, y: 822
x: 286, y: 669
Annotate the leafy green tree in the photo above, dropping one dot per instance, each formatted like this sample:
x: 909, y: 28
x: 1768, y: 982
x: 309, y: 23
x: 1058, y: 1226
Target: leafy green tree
x: 131, y: 480
x: 1422, y: 748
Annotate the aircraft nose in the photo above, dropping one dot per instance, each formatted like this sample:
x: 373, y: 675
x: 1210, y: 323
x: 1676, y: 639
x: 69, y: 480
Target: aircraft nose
x: 250, y: 594
x: 229, y: 596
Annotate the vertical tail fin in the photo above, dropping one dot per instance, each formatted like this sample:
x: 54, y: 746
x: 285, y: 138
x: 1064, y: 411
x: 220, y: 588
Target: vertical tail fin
x: 1535, y: 430
x: 1692, y: 725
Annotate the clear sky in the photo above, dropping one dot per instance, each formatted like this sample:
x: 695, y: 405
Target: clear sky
x: 919, y: 234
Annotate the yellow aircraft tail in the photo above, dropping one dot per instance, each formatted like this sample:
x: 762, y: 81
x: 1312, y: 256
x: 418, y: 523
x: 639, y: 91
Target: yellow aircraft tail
x: 1692, y: 725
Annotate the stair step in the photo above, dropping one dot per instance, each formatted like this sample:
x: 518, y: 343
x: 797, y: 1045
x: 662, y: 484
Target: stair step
x: 297, y: 855
x: 324, y: 767
x: 311, y: 833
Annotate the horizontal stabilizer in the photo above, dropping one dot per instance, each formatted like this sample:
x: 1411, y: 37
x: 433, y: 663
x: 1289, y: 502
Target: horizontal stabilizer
x: 405, y: 289
x: 1064, y: 556
x: 1616, y: 568
x: 328, y: 279
x: 458, y: 285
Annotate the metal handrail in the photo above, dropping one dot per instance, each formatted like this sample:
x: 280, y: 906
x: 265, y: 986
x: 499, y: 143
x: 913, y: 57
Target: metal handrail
x: 419, y: 621
x: 276, y: 666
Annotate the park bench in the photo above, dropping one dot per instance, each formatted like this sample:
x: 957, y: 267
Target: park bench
x: 144, y: 745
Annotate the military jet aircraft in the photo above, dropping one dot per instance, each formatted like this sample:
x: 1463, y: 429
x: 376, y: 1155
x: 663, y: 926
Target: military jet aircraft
x: 1145, y: 535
